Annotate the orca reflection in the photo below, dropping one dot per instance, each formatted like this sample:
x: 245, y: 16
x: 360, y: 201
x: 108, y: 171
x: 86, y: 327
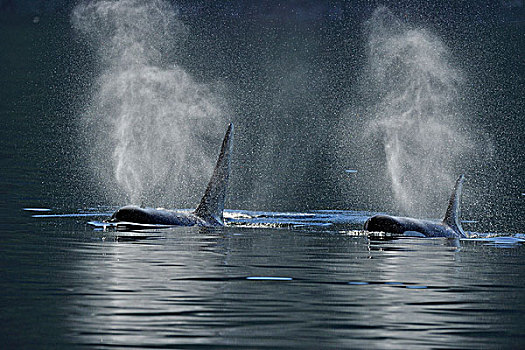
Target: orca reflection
x: 208, y: 213
x: 449, y: 227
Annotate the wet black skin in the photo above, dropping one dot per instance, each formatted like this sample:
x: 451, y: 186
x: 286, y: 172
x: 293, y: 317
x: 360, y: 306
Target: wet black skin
x: 402, y: 225
x: 211, y: 207
x: 152, y: 216
x: 449, y: 227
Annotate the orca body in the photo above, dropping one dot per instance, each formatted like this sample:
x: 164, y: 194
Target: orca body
x: 449, y: 227
x: 211, y: 207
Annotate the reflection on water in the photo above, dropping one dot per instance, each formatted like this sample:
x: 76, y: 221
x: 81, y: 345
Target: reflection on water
x: 259, y: 287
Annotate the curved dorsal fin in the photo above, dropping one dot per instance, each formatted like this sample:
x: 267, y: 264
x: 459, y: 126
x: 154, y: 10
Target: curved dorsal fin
x: 453, y: 211
x: 212, y: 203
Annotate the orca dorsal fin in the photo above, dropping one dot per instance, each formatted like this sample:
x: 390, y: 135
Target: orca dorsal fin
x: 212, y: 203
x: 453, y: 211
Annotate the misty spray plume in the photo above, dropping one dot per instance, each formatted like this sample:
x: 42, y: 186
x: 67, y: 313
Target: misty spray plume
x: 149, y: 122
x: 412, y: 110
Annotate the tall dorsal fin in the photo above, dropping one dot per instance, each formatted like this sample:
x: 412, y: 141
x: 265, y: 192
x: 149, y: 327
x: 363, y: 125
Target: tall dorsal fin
x: 212, y: 203
x: 453, y: 211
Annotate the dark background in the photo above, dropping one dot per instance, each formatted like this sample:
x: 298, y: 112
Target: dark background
x: 290, y: 73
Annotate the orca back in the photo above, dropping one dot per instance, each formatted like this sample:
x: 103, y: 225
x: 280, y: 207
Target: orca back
x: 211, y: 206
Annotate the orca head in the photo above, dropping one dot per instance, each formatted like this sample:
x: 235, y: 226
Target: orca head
x: 384, y: 223
x: 131, y: 213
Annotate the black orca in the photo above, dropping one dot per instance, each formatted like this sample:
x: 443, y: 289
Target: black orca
x: 211, y: 207
x: 449, y: 227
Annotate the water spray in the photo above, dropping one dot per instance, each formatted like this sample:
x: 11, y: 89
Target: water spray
x: 148, y: 121
x: 414, y: 111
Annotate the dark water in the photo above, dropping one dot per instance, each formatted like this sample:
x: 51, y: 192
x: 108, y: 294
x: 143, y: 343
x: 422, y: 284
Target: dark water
x: 64, y: 284
x: 269, y: 280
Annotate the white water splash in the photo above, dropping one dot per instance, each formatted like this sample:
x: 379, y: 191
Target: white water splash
x: 150, y: 124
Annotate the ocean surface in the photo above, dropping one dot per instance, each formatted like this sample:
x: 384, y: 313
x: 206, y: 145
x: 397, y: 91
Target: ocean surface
x: 292, y: 268
x: 267, y: 280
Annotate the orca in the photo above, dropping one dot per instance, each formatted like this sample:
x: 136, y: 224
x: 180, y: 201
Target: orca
x: 449, y: 227
x: 208, y: 213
